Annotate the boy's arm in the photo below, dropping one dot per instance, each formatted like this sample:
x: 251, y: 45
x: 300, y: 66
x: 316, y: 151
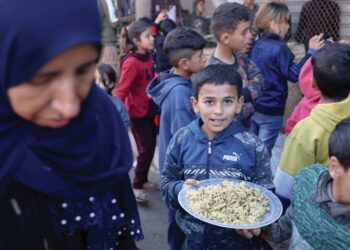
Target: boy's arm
x: 127, y: 79
x: 282, y: 229
x: 262, y: 172
x: 289, y: 69
x: 255, y: 80
x: 294, y: 158
x: 171, y: 181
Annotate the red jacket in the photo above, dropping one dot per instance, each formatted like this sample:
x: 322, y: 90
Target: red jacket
x: 136, y: 74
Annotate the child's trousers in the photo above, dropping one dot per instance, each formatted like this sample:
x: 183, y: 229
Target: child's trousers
x: 144, y: 131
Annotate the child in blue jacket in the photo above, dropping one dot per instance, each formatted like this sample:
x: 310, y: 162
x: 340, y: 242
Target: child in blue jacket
x: 214, y: 145
x: 275, y: 60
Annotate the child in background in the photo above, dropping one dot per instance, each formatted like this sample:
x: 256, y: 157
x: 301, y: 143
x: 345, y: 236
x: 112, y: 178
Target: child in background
x: 230, y: 25
x: 319, y: 216
x: 106, y: 78
x: 136, y: 73
x: 161, y: 60
x: 308, y: 142
x: 172, y: 91
x: 213, y: 135
x: 275, y: 61
x: 311, y: 97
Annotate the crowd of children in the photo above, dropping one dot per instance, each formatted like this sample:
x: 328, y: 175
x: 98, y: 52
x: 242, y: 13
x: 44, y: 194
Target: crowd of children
x: 65, y: 151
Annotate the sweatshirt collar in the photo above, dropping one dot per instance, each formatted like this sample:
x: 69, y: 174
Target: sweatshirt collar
x: 234, y: 128
x: 323, y: 196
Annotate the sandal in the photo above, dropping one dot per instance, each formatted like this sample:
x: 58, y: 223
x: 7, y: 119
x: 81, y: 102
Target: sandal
x: 140, y: 196
x: 150, y: 186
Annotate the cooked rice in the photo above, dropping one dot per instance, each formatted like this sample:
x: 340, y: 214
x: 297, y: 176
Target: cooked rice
x: 229, y: 203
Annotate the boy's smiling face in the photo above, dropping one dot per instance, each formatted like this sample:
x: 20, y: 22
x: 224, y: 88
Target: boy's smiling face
x: 238, y: 38
x: 217, y: 105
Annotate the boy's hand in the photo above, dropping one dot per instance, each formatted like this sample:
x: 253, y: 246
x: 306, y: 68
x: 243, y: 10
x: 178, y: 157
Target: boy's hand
x: 190, y: 182
x: 161, y: 16
x: 248, y: 233
x: 316, y: 42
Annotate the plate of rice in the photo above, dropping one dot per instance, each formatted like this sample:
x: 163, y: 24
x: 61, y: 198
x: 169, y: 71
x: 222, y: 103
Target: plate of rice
x: 231, y: 203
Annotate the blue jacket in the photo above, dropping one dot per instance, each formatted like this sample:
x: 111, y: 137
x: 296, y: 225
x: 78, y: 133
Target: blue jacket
x: 172, y: 94
x: 276, y: 62
x: 234, y: 153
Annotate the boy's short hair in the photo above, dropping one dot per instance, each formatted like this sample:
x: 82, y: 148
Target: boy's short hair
x: 217, y: 74
x: 166, y: 26
x: 181, y: 43
x: 338, y: 144
x: 332, y: 71
x: 227, y: 16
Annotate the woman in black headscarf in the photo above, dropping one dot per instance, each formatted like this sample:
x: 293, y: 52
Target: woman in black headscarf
x: 64, y: 151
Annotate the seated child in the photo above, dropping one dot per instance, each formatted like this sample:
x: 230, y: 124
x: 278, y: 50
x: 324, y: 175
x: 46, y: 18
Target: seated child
x: 230, y: 25
x: 197, y: 152
x: 106, y: 78
x: 308, y: 142
x: 319, y: 216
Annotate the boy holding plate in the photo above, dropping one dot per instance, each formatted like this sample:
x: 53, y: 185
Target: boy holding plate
x: 215, y: 145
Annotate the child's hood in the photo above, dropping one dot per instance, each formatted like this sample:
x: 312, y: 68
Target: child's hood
x: 330, y: 114
x: 305, y: 82
x: 234, y: 128
x: 160, y: 86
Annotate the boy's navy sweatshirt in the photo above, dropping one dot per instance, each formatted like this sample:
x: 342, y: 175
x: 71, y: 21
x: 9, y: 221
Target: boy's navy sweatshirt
x: 172, y: 94
x: 234, y: 153
x: 276, y: 62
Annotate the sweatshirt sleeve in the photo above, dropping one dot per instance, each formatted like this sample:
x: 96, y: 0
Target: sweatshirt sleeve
x: 262, y: 173
x: 289, y: 69
x: 255, y: 80
x: 182, y: 112
x: 127, y: 79
x: 171, y: 180
x: 282, y: 230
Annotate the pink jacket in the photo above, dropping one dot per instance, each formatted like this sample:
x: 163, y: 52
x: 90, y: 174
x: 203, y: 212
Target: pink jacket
x: 311, y: 97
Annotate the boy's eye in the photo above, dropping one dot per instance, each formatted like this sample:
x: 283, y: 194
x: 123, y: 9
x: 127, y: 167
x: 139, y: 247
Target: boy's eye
x: 209, y: 102
x: 228, y: 101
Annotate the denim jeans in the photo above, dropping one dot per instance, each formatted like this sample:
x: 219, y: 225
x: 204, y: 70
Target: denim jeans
x: 266, y: 127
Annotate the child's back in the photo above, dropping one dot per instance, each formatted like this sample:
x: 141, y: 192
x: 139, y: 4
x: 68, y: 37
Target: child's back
x: 275, y: 60
x: 172, y: 90
x: 308, y: 142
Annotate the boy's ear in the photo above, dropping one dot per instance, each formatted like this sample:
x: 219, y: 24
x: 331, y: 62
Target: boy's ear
x: 183, y: 64
x: 335, y: 168
x: 194, y: 102
x: 224, y: 38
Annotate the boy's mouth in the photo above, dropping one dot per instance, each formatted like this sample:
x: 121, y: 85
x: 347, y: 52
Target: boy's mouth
x: 217, y: 122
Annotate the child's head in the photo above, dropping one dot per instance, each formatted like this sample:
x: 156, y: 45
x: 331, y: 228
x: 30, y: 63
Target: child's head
x: 339, y: 161
x: 217, y: 97
x: 105, y: 77
x: 230, y: 25
x: 166, y: 26
x: 184, y: 49
x: 332, y: 71
x: 273, y: 17
x: 198, y: 7
x: 136, y: 37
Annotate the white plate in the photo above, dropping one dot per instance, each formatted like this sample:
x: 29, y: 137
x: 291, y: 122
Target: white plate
x: 275, y: 206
